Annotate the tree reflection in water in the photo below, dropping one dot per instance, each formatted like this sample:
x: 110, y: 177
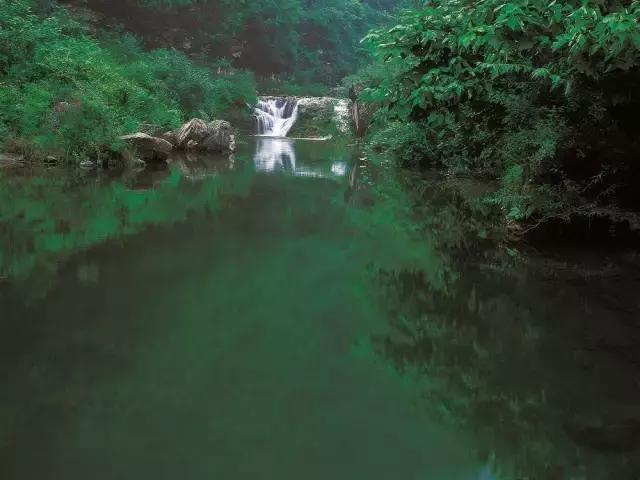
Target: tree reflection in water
x: 273, y: 155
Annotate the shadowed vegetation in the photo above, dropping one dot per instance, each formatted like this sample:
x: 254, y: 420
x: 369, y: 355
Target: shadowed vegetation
x: 541, y: 95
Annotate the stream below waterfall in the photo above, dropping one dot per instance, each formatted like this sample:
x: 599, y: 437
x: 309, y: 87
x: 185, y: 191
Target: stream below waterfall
x: 277, y: 314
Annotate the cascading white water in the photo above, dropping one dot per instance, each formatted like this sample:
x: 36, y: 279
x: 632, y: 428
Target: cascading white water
x: 276, y: 116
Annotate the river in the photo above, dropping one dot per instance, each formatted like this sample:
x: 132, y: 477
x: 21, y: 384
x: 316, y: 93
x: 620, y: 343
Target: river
x: 262, y: 316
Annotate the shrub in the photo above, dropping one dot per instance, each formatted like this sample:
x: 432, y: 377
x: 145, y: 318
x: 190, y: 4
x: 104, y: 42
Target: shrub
x: 499, y: 87
x: 67, y: 93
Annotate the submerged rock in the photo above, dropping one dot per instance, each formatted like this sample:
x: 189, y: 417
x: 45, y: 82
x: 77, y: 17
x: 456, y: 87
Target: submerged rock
x: 191, y: 146
x: 8, y: 160
x: 132, y: 162
x: 148, y: 148
x: 87, y: 164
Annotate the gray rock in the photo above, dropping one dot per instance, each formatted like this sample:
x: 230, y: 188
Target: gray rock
x: 220, y: 138
x: 137, y: 164
x: 170, y: 137
x: 215, y: 136
x: 148, y: 148
x: 131, y: 161
x: 195, y: 130
x: 87, y: 164
x: 192, y: 146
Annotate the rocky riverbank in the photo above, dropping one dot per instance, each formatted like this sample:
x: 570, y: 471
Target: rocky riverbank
x: 194, y: 136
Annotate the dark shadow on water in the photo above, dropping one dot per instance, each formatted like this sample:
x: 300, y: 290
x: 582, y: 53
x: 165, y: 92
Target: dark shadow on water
x: 202, y: 321
x: 235, y: 317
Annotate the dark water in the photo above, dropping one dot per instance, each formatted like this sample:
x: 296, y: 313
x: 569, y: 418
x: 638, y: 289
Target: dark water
x: 261, y: 316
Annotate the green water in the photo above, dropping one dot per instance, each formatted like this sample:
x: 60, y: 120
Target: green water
x: 258, y: 317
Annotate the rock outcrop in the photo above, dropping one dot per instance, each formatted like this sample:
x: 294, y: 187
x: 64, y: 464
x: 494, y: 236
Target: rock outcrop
x: 321, y: 116
x: 197, y: 135
x: 194, y: 136
x: 221, y: 138
x: 170, y: 137
x: 195, y: 131
x: 148, y: 148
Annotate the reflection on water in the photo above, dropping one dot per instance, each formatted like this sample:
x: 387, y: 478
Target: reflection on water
x: 274, y: 154
x: 198, y: 167
x: 339, y: 169
x: 279, y: 155
x: 46, y: 218
x: 206, y: 321
x: 205, y: 328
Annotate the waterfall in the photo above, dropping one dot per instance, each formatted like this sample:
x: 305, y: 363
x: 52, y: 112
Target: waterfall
x: 276, y: 116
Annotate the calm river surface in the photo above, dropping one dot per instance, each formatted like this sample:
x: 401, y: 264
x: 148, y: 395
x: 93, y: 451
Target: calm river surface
x: 262, y: 317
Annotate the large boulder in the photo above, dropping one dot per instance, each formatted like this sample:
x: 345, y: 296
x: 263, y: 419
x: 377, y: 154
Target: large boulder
x: 221, y: 138
x: 171, y: 137
x: 194, y: 130
x: 197, y: 135
x: 148, y: 148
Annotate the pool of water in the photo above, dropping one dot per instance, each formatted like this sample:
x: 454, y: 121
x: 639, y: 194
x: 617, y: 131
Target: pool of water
x: 264, y: 316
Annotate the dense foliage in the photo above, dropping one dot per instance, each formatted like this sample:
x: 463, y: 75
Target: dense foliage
x: 64, y: 92
x: 70, y: 89
x: 541, y: 93
x: 307, y: 41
